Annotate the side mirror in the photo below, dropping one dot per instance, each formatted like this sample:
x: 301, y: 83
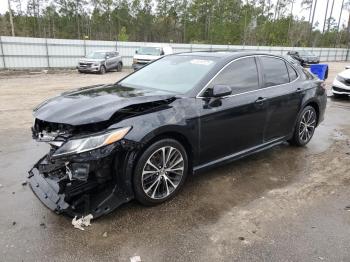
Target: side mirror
x: 221, y: 90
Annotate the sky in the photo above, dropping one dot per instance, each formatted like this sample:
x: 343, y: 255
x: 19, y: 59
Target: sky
x: 298, y: 11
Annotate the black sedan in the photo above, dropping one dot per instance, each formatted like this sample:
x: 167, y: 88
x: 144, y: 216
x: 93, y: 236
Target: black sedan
x: 140, y: 137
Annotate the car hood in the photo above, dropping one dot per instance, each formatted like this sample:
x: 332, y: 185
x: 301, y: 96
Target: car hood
x: 146, y: 57
x: 95, y: 103
x: 90, y: 60
x: 345, y: 74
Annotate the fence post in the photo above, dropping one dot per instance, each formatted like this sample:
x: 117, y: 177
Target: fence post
x: 3, y: 54
x: 336, y: 55
x: 328, y: 54
x: 47, y: 53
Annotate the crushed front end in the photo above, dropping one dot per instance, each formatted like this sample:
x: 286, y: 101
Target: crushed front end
x: 88, y: 179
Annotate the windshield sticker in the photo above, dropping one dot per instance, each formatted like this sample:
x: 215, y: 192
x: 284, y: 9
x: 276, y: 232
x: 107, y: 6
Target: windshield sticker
x: 201, y: 62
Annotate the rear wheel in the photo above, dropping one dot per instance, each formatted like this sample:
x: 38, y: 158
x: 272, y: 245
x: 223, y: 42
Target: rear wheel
x: 305, y: 126
x: 160, y: 172
x: 119, y: 67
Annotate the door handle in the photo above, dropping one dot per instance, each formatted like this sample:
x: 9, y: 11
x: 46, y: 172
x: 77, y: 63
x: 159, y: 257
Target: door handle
x: 260, y: 100
x: 299, y: 90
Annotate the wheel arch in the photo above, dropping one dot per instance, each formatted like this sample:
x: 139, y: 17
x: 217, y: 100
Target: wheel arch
x: 315, y: 105
x: 179, y: 137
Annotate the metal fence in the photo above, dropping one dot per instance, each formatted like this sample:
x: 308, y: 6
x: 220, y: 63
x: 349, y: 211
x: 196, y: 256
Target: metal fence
x: 27, y: 52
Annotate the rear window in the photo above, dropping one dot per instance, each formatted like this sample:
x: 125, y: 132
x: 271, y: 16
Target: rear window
x: 308, y: 75
x: 275, y: 71
x: 292, y: 73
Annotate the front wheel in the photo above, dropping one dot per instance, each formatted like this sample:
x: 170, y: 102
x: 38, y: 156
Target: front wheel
x: 102, y: 70
x: 160, y: 172
x: 305, y: 126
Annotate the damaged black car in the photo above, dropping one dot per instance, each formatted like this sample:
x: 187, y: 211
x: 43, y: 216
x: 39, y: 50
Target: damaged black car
x: 140, y: 137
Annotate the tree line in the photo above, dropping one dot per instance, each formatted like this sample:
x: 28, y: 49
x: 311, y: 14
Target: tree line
x: 241, y: 22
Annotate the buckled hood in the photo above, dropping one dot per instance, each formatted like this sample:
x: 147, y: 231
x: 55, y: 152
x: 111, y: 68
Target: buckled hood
x: 95, y: 103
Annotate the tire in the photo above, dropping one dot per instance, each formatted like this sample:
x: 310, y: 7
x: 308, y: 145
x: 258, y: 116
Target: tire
x: 154, y: 184
x: 119, y: 67
x: 102, y: 70
x: 304, y: 127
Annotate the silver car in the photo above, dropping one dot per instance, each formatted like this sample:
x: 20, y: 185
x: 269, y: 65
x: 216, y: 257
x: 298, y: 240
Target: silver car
x: 100, y: 62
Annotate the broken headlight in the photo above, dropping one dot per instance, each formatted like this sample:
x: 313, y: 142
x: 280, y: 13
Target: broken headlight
x: 80, y: 145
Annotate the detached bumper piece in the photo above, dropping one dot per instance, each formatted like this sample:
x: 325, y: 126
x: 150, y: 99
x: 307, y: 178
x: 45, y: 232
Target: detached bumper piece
x: 77, y: 189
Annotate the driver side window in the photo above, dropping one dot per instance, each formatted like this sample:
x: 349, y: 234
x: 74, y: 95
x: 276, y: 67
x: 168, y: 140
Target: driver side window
x: 241, y: 76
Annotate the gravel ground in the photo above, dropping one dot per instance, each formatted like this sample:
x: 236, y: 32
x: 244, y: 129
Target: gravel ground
x: 284, y: 204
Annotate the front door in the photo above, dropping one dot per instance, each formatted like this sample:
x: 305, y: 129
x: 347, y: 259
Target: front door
x: 234, y: 123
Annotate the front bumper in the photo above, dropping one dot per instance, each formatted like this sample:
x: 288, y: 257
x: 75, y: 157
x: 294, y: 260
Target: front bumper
x: 88, y: 69
x: 340, y: 88
x: 62, y: 187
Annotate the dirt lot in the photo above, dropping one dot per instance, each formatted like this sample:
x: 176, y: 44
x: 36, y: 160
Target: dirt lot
x: 284, y: 204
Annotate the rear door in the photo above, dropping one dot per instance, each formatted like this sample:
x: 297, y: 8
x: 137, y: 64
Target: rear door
x: 284, y: 96
x: 234, y: 123
x: 109, y: 61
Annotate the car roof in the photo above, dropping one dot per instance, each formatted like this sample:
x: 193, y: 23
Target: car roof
x: 225, y: 55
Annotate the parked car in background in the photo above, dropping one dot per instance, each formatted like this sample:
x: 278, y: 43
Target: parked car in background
x: 341, y: 84
x: 146, y: 54
x: 184, y: 113
x: 304, y: 57
x: 100, y: 62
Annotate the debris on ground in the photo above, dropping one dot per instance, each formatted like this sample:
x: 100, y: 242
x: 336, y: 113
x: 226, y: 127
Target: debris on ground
x: 105, y: 234
x: 241, y: 238
x: 347, y: 208
x: 43, y: 225
x: 14, y: 223
x: 13, y: 193
x: 82, y: 222
x: 135, y: 259
x: 24, y: 183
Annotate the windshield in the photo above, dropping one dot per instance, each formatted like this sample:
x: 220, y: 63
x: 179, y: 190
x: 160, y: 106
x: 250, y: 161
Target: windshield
x: 306, y: 53
x: 177, y: 74
x: 156, y: 51
x: 96, y: 55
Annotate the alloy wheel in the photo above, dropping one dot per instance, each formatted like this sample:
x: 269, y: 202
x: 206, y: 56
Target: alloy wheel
x: 307, y: 126
x: 162, y: 172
